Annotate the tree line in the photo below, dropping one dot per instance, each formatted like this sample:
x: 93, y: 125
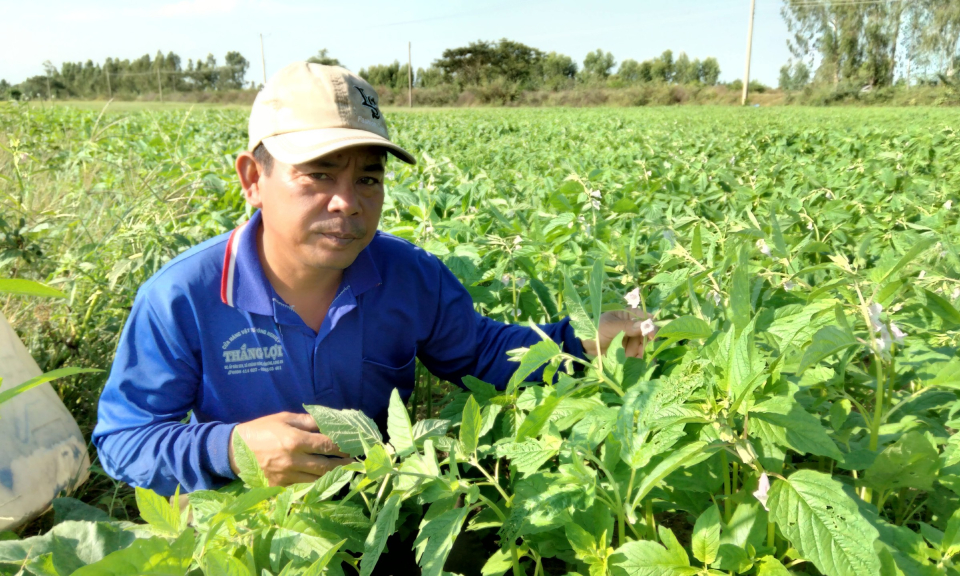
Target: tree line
x: 144, y: 75
x: 527, y: 68
x: 871, y: 44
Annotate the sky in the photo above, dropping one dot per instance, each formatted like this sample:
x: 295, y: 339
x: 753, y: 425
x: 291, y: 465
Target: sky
x: 366, y: 32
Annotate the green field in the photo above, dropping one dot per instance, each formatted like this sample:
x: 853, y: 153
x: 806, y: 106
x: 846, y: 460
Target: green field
x: 802, y: 264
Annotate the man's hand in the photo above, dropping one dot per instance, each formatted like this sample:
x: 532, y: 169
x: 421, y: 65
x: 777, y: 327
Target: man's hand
x: 637, y: 326
x: 289, y: 448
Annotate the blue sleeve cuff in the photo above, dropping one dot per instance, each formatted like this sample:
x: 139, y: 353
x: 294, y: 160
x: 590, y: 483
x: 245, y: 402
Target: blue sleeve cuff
x: 218, y: 450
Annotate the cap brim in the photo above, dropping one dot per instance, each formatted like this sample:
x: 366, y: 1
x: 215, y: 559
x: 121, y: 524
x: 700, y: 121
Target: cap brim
x: 306, y: 145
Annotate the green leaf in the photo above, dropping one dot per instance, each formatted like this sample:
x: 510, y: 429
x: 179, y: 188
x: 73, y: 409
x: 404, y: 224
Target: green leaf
x: 770, y: 566
x: 950, y: 544
x: 28, y: 288
x: 685, y: 328
x: 498, y: 563
x: 828, y: 341
x: 597, y: 276
x: 349, y: 429
x: 823, y: 524
x: 740, y: 298
x: 377, y: 537
x: 942, y: 308
x: 249, y: 469
x: 43, y: 379
x: 470, y: 426
x: 583, y: 543
x: 706, y: 536
x: 319, y: 567
x: 910, y: 462
x: 781, y: 420
x: 583, y: 326
x: 537, y: 418
x: 696, y: 245
x: 158, y: 512
x: 329, y: 484
x: 646, y: 558
x: 690, y: 455
x: 377, y: 463
x: 538, y: 355
x: 217, y: 561
x: 778, y: 242
x: 915, y: 251
x: 429, y: 428
x: 398, y: 426
x: 948, y: 376
x: 146, y: 557
x: 304, y: 547
x: 435, y: 540
x: 67, y: 508
x: 528, y: 456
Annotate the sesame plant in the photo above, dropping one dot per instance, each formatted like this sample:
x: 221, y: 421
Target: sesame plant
x: 795, y: 413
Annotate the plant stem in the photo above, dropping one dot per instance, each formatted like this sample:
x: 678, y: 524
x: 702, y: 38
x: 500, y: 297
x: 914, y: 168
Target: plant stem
x: 727, y: 511
x: 651, y: 521
x: 493, y: 483
x: 771, y: 534
x: 517, y: 571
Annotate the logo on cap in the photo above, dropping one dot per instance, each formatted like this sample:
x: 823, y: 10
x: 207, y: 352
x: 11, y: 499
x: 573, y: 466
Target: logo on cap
x: 369, y: 103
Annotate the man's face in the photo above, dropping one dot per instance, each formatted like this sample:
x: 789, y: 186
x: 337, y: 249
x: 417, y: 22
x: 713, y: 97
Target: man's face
x: 324, y: 212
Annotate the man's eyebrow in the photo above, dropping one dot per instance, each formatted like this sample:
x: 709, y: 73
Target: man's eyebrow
x: 375, y: 167
x: 321, y: 163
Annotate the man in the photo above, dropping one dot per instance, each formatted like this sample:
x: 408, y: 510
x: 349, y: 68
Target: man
x: 306, y: 303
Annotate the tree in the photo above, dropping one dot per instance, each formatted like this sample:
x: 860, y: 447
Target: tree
x: 4, y: 89
x: 429, y: 78
x: 629, y: 71
x: 323, y: 57
x: 598, y: 64
x: 558, y: 70
x: 233, y: 77
x: 684, y: 71
x: 483, y: 61
x: 710, y: 71
x: 662, y: 67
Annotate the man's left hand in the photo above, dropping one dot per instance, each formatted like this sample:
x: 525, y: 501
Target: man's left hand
x: 637, y: 326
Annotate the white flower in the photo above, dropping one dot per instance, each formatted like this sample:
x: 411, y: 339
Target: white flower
x: 647, y: 327
x: 716, y: 297
x: 595, y: 204
x: 521, y: 282
x: 955, y: 294
x: 874, y: 311
x: 390, y: 175
x: 762, y: 245
x: 595, y: 194
x: 733, y: 159
x: 517, y: 241
x: 429, y: 229
x: 809, y: 225
x: 633, y: 298
x: 666, y: 165
x: 570, y: 225
x: 788, y: 285
x: 898, y: 335
x: 948, y: 205
x: 921, y: 275
x: 829, y: 195
x: 762, y: 488
x: 648, y: 174
x: 505, y: 279
x: 670, y: 237
x: 883, y: 343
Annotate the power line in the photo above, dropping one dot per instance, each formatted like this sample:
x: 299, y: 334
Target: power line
x: 831, y: 4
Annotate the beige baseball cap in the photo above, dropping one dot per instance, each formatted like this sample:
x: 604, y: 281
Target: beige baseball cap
x: 309, y: 110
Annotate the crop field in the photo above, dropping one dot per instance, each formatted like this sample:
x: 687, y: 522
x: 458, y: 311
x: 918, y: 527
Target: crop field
x: 796, y: 414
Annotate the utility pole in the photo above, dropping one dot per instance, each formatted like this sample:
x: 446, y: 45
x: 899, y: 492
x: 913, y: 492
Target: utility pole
x: 109, y: 90
x: 746, y: 73
x: 159, y: 84
x: 409, y: 76
x: 263, y: 61
x: 48, y: 86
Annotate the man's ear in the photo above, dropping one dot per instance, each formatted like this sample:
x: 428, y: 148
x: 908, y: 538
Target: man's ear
x: 250, y: 174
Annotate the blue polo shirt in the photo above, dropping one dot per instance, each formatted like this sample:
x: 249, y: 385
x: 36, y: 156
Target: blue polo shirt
x: 208, y: 336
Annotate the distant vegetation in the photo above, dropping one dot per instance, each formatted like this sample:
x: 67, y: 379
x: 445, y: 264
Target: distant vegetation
x: 841, y: 52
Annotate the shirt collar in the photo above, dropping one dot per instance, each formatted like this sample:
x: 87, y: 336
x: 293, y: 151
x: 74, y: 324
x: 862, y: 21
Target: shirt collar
x: 244, y: 284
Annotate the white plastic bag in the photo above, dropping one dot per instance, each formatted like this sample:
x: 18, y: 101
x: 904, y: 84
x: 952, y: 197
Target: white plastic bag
x: 42, y: 452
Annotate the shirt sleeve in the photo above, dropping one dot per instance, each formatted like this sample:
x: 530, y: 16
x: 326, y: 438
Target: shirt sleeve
x: 463, y: 342
x: 140, y: 435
